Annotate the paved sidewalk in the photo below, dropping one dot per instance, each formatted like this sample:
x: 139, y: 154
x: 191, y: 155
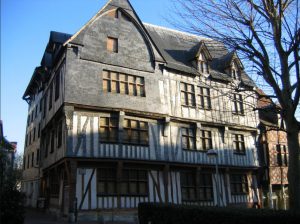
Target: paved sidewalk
x: 36, y: 216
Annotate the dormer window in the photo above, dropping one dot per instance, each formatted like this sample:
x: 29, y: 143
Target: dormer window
x: 203, y: 64
x: 235, y: 72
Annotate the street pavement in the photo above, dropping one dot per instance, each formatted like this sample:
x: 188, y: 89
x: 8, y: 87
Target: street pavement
x: 35, y: 216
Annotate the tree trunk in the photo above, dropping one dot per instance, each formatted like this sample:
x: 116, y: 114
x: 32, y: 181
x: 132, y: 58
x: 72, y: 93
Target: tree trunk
x: 294, y: 162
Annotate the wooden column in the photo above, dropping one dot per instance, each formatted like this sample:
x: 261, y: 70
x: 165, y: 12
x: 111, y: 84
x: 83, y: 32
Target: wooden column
x: 198, y: 181
x: 227, y: 186
x: 119, y: 180
x: 68, y: 131
x: 72, y: 186
x: 166, y: 182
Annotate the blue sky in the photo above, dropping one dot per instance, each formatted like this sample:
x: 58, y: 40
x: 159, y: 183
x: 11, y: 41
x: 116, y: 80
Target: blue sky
x: 25, y: 28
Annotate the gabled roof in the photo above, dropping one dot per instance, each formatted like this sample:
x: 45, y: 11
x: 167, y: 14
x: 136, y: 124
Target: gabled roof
x: 125, y: 7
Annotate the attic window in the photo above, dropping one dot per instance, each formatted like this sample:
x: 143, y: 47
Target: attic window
x: 203, y: 64
x: 112, y: 44
x: 235, y: 72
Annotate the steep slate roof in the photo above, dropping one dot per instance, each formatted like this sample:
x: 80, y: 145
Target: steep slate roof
x: 38, y: 74
x: 58, y: 37
x: 179, y: 50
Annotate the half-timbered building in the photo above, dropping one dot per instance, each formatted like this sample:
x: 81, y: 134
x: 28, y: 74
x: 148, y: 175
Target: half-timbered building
x: 127, y: 112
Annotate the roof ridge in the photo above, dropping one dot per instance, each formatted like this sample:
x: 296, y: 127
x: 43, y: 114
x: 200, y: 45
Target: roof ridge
x: 177, y: 31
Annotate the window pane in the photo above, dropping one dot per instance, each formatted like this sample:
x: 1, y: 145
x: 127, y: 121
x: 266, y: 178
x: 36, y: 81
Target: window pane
x: 111, y: 187
x: 106, y: 75
x: 126, y: 135
x: 134, y: 124
x: 126, y: 123
x: 113, y: 135
x: 185, y: 142
x: 103, y: 121
x: 190, y: 88
x: 139, y: 80
x: 192, y: 143
x: 131, y: 79
x: 184, y: 98
x: 184, y: 192
x: 114, y: 87
x: 122, y: 77
x: 106, y: 84
x: 133, y: 175
x: 201, y: 194
x: 123, y: 88
x: 114, y: 76
x: 192, y: 193
x: 111, y: 173
x: 142, y: 175
x: 134, y: 136
x: 142, y: 188
x: 101, y: 187
x: 144, y: 137
x: 191, y: 132
x: 183, y: 86
x: 124, y: 188
x: 133, y: 187
x: 140, y: 90
x: 125, y: 174
x: 143, y: 125
x: 131, y: 90
x: 104, y: 133
x: 209, y: 193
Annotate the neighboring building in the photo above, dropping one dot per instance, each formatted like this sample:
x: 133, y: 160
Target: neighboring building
x: 124, y: 112
x: 273, y: 151
x: 31, y: 159
x: 7, y: 155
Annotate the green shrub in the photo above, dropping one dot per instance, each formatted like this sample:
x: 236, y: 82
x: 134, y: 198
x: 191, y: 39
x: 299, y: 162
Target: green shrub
x: 179, y: 214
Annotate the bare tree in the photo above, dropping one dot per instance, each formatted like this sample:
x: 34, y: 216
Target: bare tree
x: 266, y: 33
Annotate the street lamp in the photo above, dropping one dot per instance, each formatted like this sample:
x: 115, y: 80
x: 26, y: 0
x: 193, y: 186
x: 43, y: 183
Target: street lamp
x: 212, y: 153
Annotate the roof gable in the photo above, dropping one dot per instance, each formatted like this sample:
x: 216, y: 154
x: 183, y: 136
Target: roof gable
x: 127, y: 9
x: 203, y: 49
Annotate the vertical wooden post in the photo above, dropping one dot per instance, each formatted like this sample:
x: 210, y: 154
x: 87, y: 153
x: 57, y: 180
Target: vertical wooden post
x: 198, y: 181
x: 72, y: 189
x: 227, y: 186
x: 166, y: 182
x: 119, y: 180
